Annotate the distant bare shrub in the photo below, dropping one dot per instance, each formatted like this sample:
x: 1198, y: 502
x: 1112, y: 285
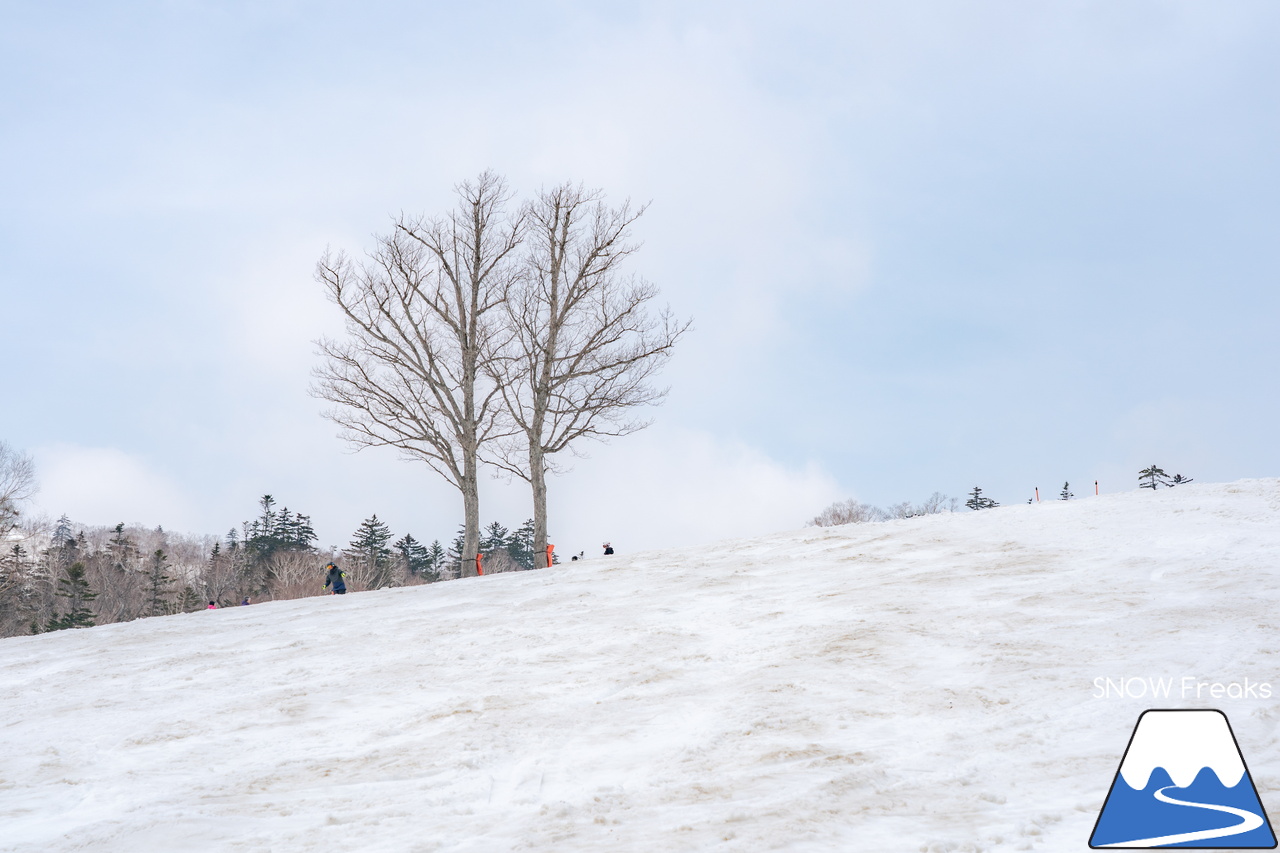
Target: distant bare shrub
x: 498, y: 561
x: 853, y: 512
x: 847, y: 512
x: 903, y: 510
x: 937, y: 503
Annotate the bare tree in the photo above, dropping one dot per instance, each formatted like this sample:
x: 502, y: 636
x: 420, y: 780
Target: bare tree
x: 24, y: 598
x: 499, y: 561
x: 581, y: 342
x: 848, y: 512
x: 293, y: 574
x: 419, y: 315
x: 116, y: 572
x: 225, y: 575
x: 853, y: 512
x: 937, y: 503
x: 17, y: 484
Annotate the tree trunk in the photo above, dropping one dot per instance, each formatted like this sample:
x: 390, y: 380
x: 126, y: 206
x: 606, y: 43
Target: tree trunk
x: 538, y: 480
x: 471, y: 517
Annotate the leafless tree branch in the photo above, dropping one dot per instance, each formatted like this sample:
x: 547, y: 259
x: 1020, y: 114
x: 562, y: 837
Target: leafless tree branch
x: 17, y: 485
x: 582, y: 342
x: 421, y: 312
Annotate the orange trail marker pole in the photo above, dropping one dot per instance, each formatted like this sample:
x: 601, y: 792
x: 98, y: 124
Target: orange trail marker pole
x: 550, y: 548
x: 479, y: 568
x: 1095, y: 488
x: 1037, y: 494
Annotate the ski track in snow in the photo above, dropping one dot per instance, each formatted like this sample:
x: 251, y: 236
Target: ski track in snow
x: 923, y: 684
x: 1248, y: 822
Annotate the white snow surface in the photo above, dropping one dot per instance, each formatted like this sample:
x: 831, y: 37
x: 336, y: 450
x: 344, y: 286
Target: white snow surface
x: 1183, y: 743
x: 925, y: 684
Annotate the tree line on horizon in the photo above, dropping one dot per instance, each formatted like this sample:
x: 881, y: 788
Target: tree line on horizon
x: 63, y: 575
x: 853, y: 512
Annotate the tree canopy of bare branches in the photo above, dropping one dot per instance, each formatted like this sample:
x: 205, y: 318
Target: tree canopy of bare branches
x: 581, y: 341
x: 421, y: 311
x: 17, y: 484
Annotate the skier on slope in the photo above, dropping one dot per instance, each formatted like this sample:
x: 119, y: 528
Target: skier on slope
x: 608, y: 549
x: 335, y: 578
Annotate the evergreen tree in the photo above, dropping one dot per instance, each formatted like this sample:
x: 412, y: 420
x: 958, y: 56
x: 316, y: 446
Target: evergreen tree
x: 190, y: 600
x: 417, y: 560
x: 63, y: 547
x: 521, y: 547
x: 260, y: 536
x: 159, y: 583
x: 453, y: 557
x: 121, y: 549
x: 294, y: 531
x: 1066, y: 493
x: 1153, y: 477
x: 977, y: 501
x: 62, y: 532
x: 435, y: 560
x: 493, y: 537
x: 8, y: 579
x: 369, y: 549
x: 12, y: 569
x: 266, y: 524
x: 74, y: 586
x: 272, y: 532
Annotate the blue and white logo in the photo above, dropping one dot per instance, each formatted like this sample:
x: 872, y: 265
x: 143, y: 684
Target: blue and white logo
x: 1183, y: 783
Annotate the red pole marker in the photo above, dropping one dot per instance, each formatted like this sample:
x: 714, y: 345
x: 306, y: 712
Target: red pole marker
x: 1037, y: 494
x: 1095, y: 488
x: 479, y: 568
x: 550, y: 548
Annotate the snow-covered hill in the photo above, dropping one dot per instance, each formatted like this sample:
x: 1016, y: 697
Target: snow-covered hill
x: 926, y: 684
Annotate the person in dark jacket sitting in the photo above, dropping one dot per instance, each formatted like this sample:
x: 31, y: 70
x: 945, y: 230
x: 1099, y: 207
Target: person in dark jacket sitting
x: 335, y: 578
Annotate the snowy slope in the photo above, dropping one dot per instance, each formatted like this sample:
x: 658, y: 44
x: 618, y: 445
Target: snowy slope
x: 925, y: 684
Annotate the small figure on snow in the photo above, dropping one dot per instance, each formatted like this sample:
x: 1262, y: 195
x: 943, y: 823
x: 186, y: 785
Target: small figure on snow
x: 608, y: 549
x: 245, y: 603
x: 336, y: 579
x: 212, y: 606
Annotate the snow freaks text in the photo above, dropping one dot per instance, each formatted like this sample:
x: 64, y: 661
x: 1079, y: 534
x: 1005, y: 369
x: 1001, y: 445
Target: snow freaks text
x: 1186, y: 687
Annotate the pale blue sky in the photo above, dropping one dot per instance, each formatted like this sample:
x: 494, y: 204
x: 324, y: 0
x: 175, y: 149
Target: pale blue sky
x: 925, y: 245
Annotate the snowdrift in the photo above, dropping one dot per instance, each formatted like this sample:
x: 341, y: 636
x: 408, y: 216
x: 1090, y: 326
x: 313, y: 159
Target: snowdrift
x: 926, y: 684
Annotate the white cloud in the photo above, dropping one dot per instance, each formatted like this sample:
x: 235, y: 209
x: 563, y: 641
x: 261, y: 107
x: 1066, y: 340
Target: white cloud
x: 103, y: 485
x: 671, y: 486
